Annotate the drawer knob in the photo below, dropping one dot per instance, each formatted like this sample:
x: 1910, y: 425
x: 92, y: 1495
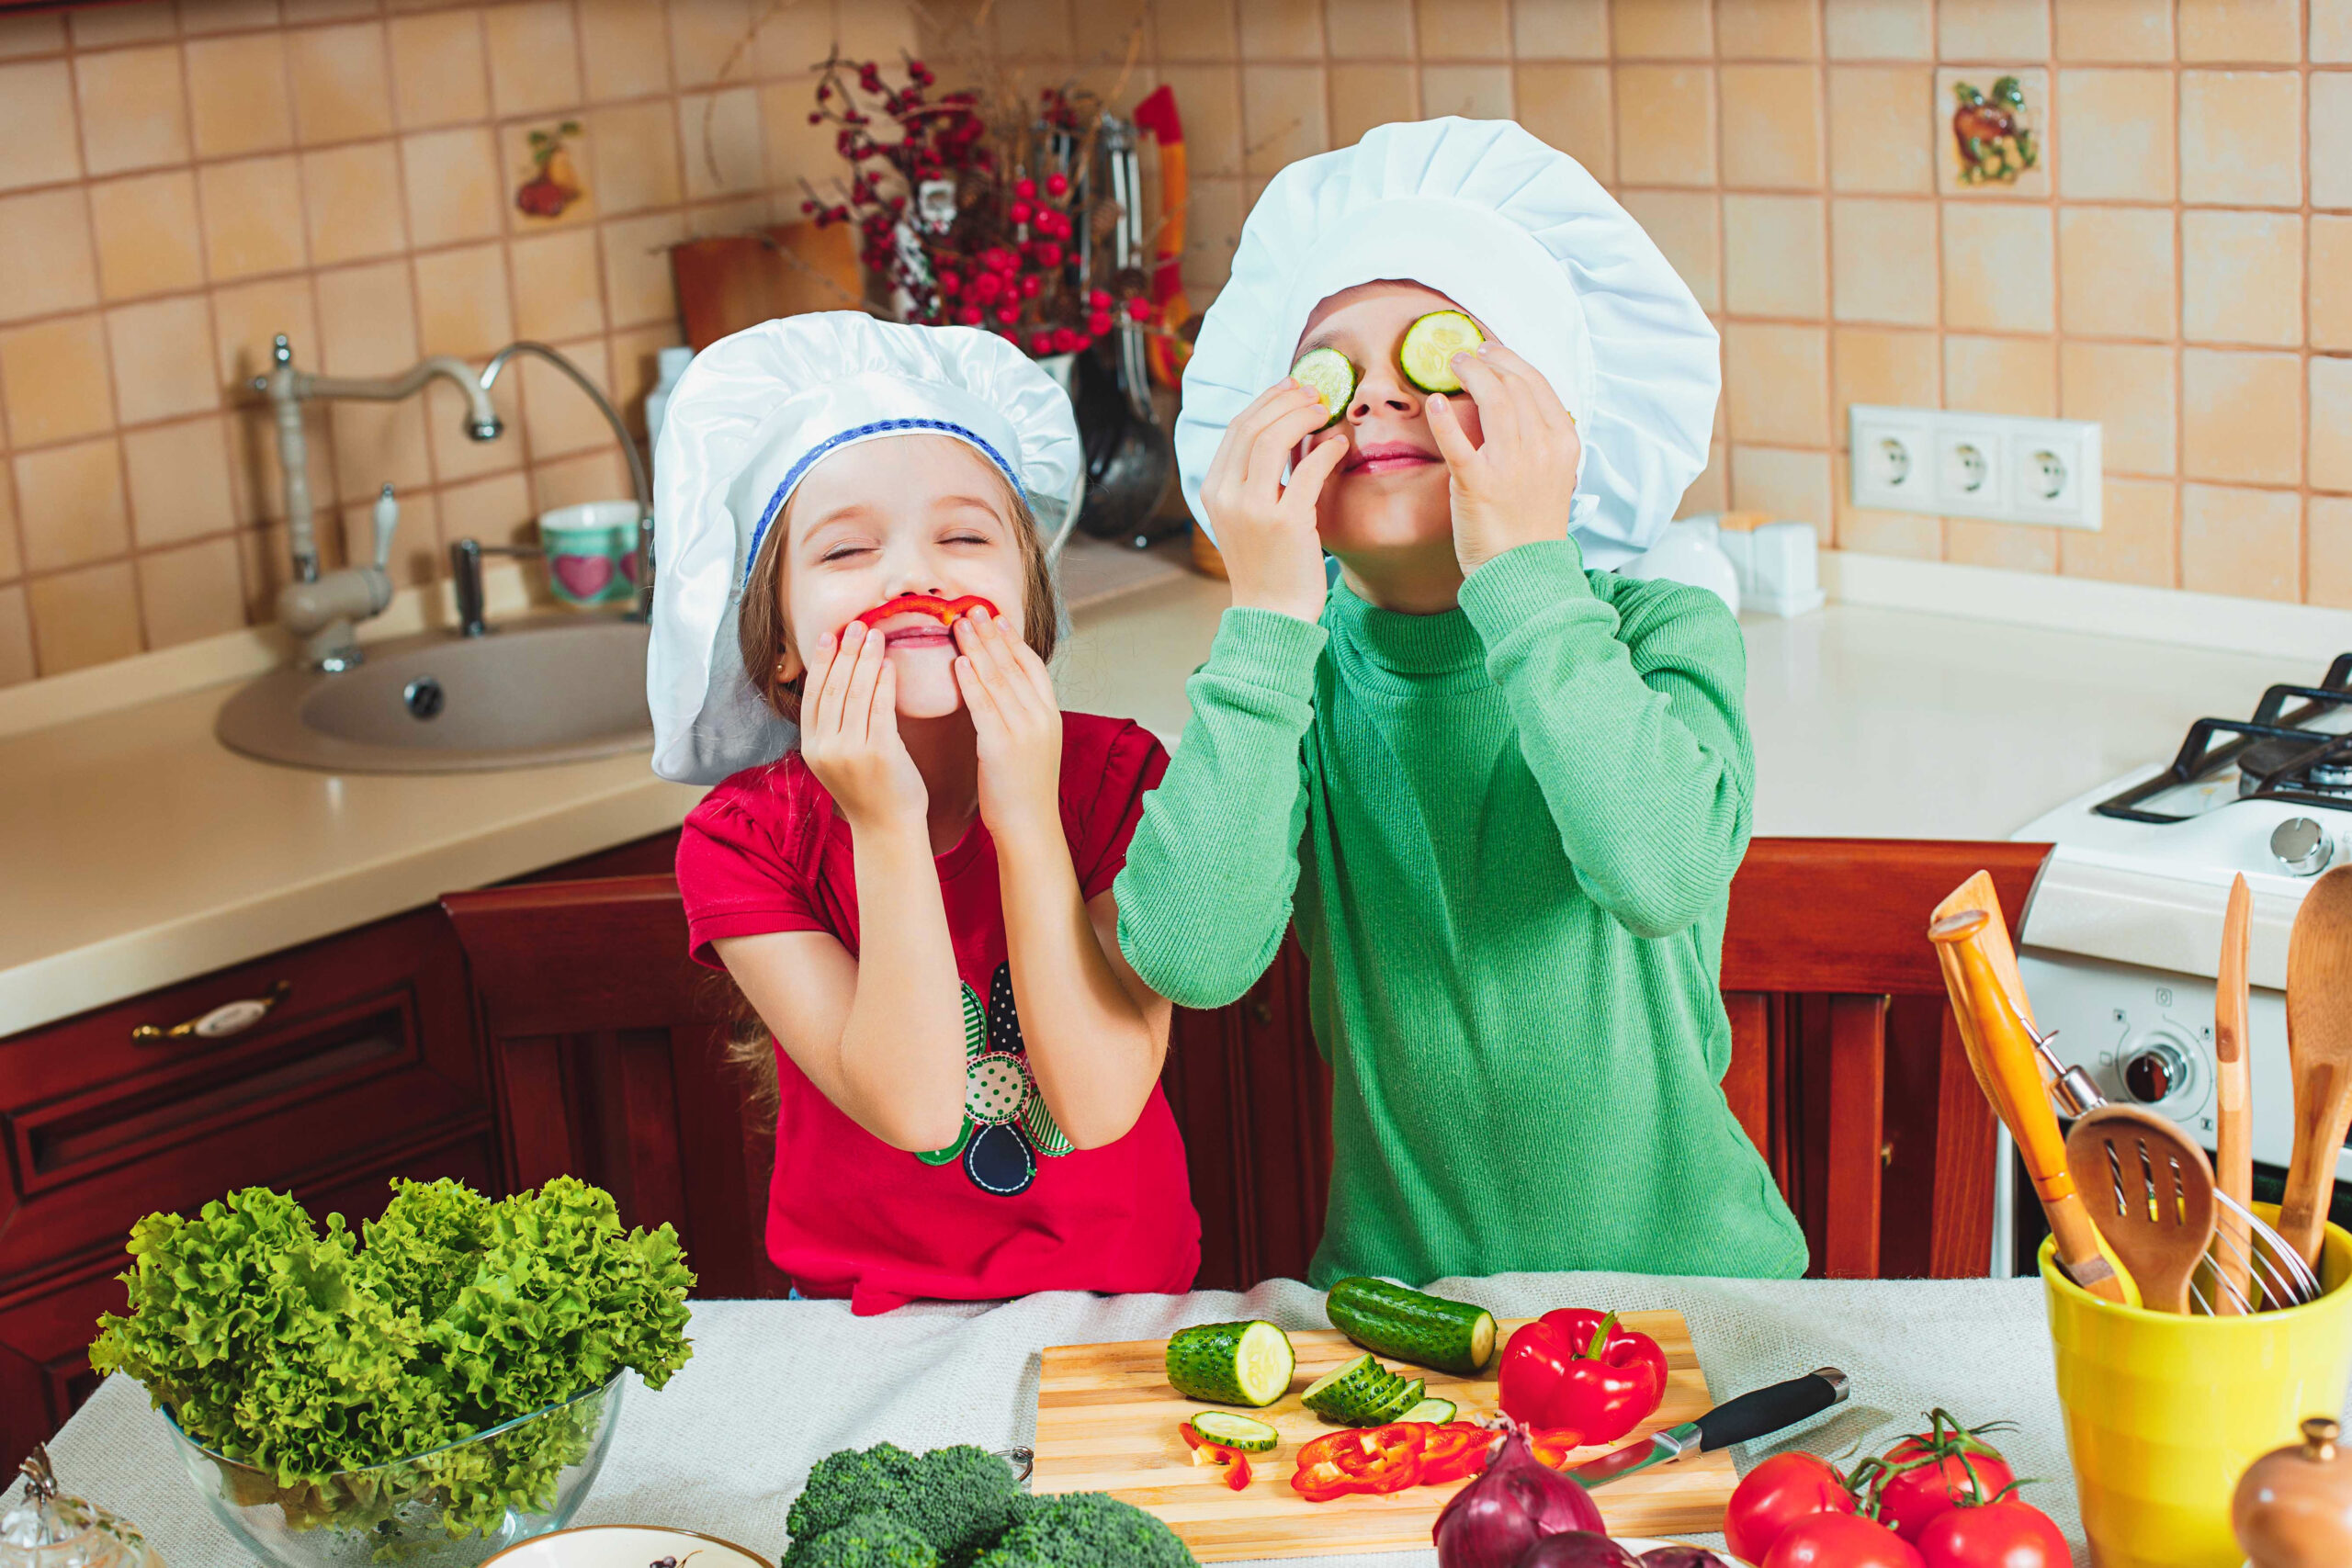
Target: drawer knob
x: 228, y: 1019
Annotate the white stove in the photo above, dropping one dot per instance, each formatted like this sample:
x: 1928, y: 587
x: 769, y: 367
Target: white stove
x: 2122, y: 936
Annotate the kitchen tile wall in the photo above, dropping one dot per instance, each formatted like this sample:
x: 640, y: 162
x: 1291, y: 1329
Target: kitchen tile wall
x: 177, y: 183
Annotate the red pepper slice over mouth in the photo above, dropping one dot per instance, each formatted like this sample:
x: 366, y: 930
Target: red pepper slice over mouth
x: 1579, y: 1369
x: 949, y: 610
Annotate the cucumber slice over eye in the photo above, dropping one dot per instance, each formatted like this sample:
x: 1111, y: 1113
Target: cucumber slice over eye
x: 1327, y: 373
x: 1429, y: 345
x: 1246, y: 1433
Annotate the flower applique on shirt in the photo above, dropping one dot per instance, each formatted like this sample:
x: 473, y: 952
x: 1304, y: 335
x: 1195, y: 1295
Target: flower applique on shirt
x: 1006, y: 1125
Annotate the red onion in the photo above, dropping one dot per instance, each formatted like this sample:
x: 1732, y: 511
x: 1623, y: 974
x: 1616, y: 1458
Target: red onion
x: 1680, y: 1557
x: 1515, y: 1502
x: 1577, y: 1548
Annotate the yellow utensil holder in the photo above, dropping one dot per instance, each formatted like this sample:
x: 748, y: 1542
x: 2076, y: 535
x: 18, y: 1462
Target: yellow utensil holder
x: 2163, y: 1411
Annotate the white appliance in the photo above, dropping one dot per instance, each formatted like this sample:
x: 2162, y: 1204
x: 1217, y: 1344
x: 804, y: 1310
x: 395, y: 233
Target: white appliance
x: 2121, y: 938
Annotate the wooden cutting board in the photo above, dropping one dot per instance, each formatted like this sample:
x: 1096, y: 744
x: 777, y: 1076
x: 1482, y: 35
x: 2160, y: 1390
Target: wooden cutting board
x: 1107, y: 1417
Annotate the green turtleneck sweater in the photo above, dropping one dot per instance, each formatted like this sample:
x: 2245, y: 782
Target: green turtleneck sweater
x: 1507, y: 834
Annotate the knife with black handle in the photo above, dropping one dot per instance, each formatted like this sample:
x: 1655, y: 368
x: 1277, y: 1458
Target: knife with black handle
x: 1755, y: 1414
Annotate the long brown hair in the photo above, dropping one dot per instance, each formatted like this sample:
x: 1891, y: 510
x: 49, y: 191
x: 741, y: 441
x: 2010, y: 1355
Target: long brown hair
x: 762, y: 636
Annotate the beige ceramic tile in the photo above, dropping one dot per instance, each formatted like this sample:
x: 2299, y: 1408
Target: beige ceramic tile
x: 342, y: 82
x: 2331, y: 32
x: 1363, y: 95
x: 1997, y: 267
x: 2330, y: 275
x: 496, y: 509
x: 1567, y: 106
x: 439, y: 75
x: 2007, y: 546
x: 351, y: 202
x: 45, y: 260
x: 2119, y: 135
x: 1212, y: 227
x: 1997, y: 32
x: 17, y: 661
x: 703, y: 33
x: 568, y: 482
x: 1791, y: 485
x: 1473, y: 92
x: 881, y: 30
x: 2118, y: 30
x: 1282, y: 29
x: 2331, y: 421
x: 2031, y: 185
x: 461, y: 301
x: 1560, y: 29
x: 796, y: 150
x: 1210, y: 97
x: 1900, y: 533
x: 1879, y: 29
x: 2116, y: 271
x: 1687, y: 226
x: 367, y: 320
x: 637, y: 156
x: 163, y: 358
x: 1453, y: 30
x: 534, y: 57
x: 2331, y: 139
x: 1883, y: 369
x: 2327, y: 523
x: 1033, y: 30
x: 1880, y: 128
x: 229, y: 16
x: 104, y: 26
x: 1711, y: 492
x: 639, y: 289
x: 1204, y: 30
x: 247, y: 317
x: 301, y: 11
x: 12, y: 560
x: 557, y: 291
x: 2138, y: 539
x: 2242, y: 31
x: 194, y: 592
x: 2241, y: 416
x: 625, y: 47
x: 178, y: 477
x: 2001, y: 375
x: 2241, y: 138
x: 69, y: 504
x: 1662, y: 29
x: 1360, y: 29
x: 134, y: 114
x: 1282, y: 117
x: 2129, y: 389
x: 452, y: 182
x: 1767, y: 30
x: 1774, y: 257
x: 1772, y: 134
x: 1666, y: 125
x: 85, y: 618
x: 724, y: 148
x: 147, y: 234
x: 376, y: 445
x: 1776, y: 385
x: 2241, y: 277
x: 22, y: 34
x: 637, y: 369
x: 53, y: 373
x: 253, y: 216
x: 238, y: 96
x: 2245, y: 543
x: 1102, y: 31
x: 1884, y: 260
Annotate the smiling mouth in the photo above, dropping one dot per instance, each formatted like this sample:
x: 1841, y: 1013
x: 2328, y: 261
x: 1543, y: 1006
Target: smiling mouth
x: 924, y: 633
x: 1388, y: 457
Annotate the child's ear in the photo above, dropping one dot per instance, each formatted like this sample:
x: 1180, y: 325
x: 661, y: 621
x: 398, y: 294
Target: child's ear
x: 788, y: 666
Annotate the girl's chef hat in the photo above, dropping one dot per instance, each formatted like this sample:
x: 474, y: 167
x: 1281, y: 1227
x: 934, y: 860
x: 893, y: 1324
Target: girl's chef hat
x: 1521, y: 236
x: 752, y: 415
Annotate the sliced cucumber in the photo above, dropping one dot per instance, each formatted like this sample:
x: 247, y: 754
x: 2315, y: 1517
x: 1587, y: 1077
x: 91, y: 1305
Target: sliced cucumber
x: 1411, y: 1325
x: 1436, y: 1411
x: 1246, y: 1433
x: 1329, y: 374
x: 1231, y: 1363
x: 1427, y: 354
x: 1351, y: 1394
x: 1401, y: 1398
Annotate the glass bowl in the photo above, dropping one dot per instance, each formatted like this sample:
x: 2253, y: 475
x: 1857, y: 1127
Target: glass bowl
x: 453, y: 1507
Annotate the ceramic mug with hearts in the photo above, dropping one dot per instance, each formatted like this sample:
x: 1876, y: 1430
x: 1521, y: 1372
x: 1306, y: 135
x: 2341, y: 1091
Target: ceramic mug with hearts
x: 590, y: 552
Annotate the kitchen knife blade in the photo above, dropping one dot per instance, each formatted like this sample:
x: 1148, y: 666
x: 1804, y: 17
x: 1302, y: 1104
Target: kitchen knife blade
x: 1756, y: 1414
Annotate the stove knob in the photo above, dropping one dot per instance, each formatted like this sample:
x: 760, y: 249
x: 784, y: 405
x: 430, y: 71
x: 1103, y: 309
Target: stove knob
x: 2301, y: 846
x: 2155, y: 1073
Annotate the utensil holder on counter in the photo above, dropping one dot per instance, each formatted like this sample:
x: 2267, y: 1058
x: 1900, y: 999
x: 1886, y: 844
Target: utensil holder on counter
x: 2164, y: 1411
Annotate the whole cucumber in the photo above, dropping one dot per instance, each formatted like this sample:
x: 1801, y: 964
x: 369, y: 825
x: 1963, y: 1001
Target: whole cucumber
x: 1412, y: 1325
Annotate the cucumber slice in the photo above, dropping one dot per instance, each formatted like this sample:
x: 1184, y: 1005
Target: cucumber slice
x: 1349, y: 1393
x: 1328, y: 375
x: 1429, y: 345
x: 1436, y: 1411
x: 1231, y: 1363
x: 1246, y: 1433
x: 1428, y: 1331
x: 1401, y: 1398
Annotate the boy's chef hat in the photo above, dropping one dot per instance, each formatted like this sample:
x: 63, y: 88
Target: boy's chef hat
x: 752, y: 415
x: 1521, y: 236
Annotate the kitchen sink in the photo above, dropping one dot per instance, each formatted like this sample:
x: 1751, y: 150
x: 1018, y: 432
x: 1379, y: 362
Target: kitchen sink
x: 554, y: 689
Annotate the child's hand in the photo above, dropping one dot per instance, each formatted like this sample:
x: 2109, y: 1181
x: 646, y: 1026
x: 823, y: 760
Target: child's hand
x: 1514, y: 487
x: 1265, y: 529
x: 849, y: 731
x: 1019, y: 725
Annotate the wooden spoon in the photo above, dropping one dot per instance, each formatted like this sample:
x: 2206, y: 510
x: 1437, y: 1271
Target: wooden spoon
x: 2233, y: 1154
x: 2319, y: 1049
x: 2150, y: 1191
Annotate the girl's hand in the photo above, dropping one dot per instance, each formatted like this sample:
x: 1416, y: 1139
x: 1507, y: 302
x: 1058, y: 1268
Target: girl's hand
x: 1514, y: 487
x: 849, y: 732
x: 1019, y: 725
x: 1265, y: 529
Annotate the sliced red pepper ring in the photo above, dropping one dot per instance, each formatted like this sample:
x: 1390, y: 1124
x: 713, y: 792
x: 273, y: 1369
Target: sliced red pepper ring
x: 948, y: 610
x: 1454, y: 1451
x: 1237, y: 1463
x: 1380, y: 1459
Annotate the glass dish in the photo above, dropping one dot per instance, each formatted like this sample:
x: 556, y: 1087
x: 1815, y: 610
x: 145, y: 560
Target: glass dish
x: 435, y: 1509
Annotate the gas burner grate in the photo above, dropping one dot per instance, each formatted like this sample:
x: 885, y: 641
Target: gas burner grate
x: 2277, y: 756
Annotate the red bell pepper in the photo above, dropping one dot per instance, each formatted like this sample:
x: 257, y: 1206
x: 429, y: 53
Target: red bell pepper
x: 1577, y: 1368
x: 1378, y: 1460
x: 1236, y: 1463
x: 948, y: 610
x: 1454, y: 1451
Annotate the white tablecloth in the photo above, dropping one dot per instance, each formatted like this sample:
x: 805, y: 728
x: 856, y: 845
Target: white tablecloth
x: 774, y: 1387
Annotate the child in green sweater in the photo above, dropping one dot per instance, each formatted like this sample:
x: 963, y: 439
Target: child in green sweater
x: 1501, y: 791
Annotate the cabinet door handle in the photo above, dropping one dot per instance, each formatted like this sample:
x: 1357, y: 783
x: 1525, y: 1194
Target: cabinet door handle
x: 228, y: 1019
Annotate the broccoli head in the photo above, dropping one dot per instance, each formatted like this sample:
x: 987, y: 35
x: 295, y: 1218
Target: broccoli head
x: 958, y: 1498
x: 869, y: 1540
x: 1084, y: 1529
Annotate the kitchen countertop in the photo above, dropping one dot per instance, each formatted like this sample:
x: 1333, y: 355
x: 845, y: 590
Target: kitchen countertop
x: 774, y: 1386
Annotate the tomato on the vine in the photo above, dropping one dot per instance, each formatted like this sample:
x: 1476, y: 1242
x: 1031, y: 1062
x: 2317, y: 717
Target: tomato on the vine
x: 1929, y: 1474
x: 1777, y: 1494
x: 2006, y: 1534
x: 1841, y: 1540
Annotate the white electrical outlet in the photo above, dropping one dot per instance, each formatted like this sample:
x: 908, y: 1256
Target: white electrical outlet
x: 1999, y: 466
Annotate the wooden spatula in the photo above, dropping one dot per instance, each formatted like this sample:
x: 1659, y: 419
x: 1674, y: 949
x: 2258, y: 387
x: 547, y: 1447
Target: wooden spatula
x: 2233, y: 1155
x: 2150, y: 1191
x: 2319, y: 1049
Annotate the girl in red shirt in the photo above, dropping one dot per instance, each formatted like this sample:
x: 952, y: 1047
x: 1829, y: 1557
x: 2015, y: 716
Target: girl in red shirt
x: 915, y: 897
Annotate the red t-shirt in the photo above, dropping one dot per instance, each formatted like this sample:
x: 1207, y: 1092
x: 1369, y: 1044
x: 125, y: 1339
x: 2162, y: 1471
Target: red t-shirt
x: 1009, y: 1208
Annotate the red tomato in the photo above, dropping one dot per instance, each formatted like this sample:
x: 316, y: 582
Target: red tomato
x: 1776, y: 1495
x: 2006, y: 1534
x: 1912, y: 1499
x: 1841, y: 1540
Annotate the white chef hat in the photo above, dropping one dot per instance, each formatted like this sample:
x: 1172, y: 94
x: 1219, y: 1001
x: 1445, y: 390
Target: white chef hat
x: 752, y: 415
x: 1518, y: 234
